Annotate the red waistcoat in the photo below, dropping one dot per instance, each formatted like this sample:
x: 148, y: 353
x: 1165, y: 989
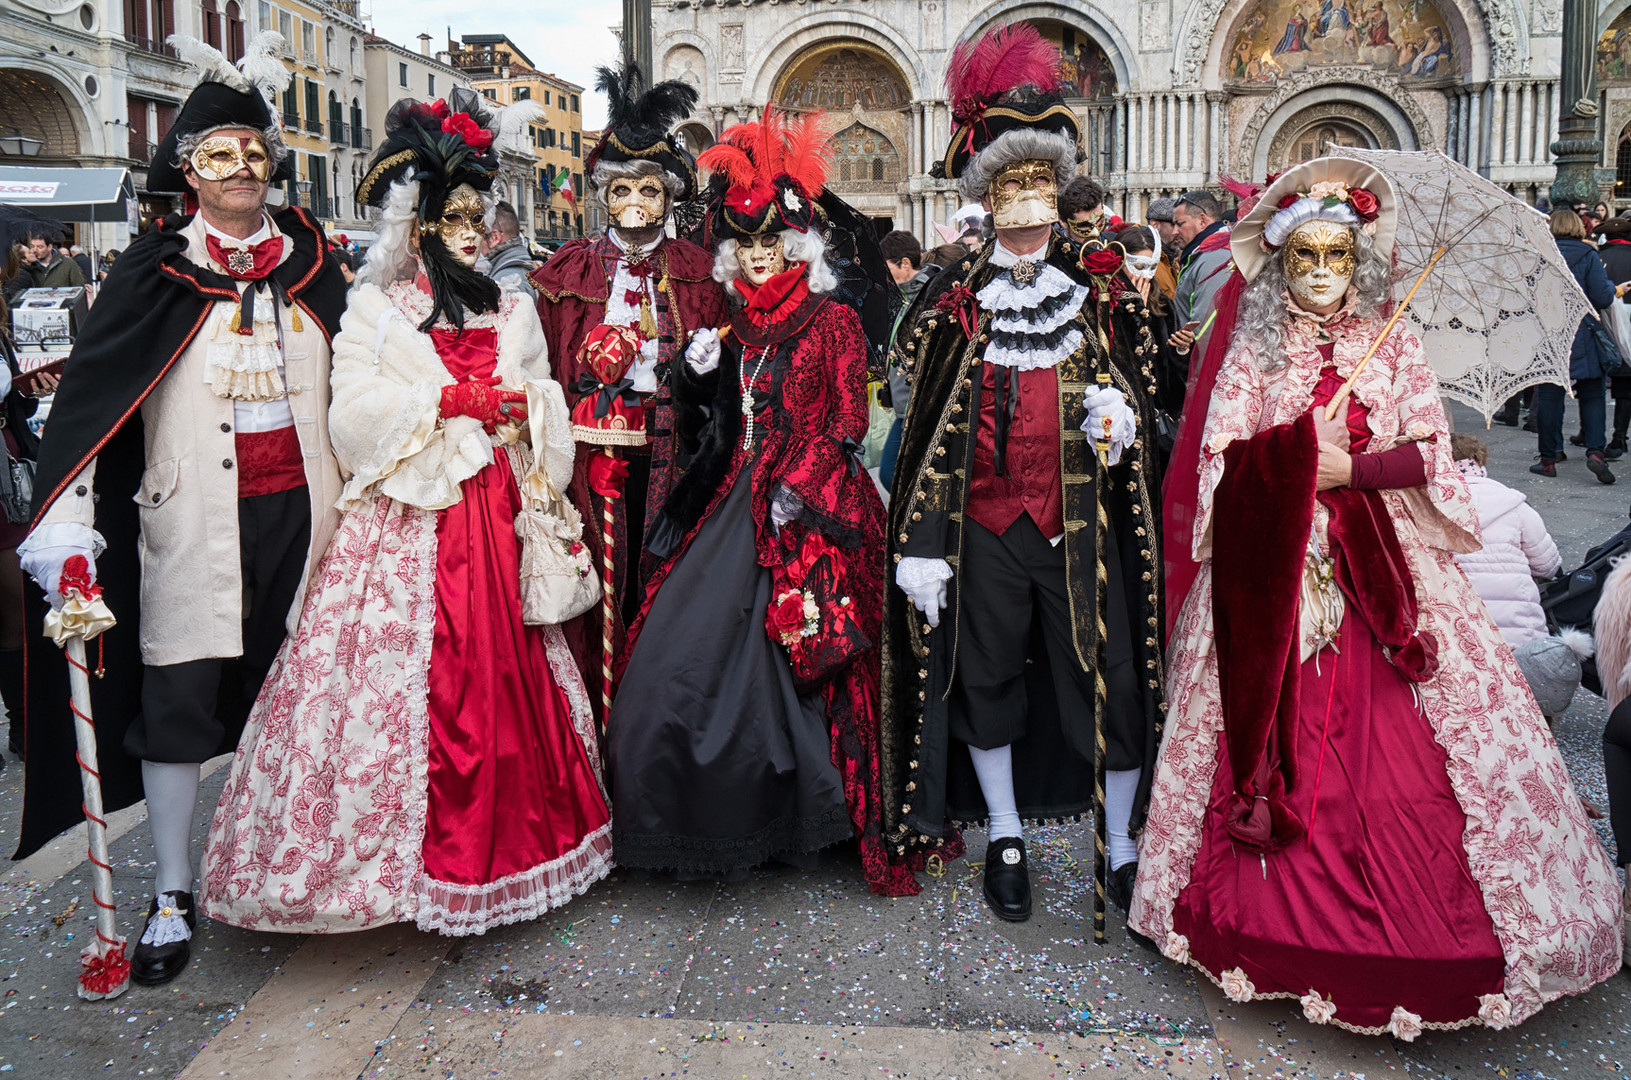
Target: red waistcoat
x: 1032, y: 484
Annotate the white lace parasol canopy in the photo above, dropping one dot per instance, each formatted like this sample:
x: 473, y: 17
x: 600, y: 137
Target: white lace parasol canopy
x: 1499, y: 311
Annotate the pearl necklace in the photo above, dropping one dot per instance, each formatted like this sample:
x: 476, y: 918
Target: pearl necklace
x: 747, y: 400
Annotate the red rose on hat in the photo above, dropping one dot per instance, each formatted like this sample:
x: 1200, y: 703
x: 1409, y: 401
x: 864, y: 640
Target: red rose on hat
x: 462, y: 125
x: 1364, y: 203
x: 1103, y: 262
x: 1288, y: 200
x: 787, y: 617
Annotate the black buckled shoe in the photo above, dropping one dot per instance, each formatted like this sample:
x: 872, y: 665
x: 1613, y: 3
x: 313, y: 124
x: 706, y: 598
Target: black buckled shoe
x: 1008, y: 879
x: 1118, y: 886
x: 155, y: 965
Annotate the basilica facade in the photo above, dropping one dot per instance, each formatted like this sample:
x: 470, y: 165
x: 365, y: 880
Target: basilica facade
x: 1172, y: 94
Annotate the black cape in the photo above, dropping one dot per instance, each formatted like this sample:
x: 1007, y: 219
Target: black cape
x: 154, y: 302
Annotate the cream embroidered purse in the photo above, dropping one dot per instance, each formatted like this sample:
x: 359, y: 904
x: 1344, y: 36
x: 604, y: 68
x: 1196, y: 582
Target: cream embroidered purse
x: 558, y: 582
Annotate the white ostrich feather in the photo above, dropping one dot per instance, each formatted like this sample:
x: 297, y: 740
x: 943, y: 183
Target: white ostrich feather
x: 261, y: 69
x: 511, y: 119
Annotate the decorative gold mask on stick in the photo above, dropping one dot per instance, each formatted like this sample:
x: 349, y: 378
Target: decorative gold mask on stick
x: 1319, y: 260
x: 221, y: 157
x: 1024, y: 194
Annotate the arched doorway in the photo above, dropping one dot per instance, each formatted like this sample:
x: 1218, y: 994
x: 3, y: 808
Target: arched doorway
x: 33, y: 106
x: 1313, y: 131
x: 868, y: 105
x: 697, y: 137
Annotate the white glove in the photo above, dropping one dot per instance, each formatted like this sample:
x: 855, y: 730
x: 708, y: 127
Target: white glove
x: 703, y: 352
x: 924, y: 583
x: 1107, y: 401
x: 45, y: 551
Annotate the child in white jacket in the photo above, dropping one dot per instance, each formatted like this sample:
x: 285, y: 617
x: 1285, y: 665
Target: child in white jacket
x: 1517, y: 550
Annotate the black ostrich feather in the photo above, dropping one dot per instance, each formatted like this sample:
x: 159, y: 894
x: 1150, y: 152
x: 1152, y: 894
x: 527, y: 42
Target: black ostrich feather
x: 633, y: 107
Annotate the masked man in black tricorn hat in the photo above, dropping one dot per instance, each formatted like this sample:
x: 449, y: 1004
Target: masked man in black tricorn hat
x: 1022, y: 666
x: 188, y: 463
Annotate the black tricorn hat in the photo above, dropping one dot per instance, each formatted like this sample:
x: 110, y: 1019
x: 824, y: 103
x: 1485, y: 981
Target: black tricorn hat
x: 1003, y: 81
x: 438, y: 144
x: 638, y: 122
x: 227, y: 95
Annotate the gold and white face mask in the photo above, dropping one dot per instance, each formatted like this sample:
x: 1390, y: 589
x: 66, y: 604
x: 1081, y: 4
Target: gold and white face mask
x: 1319, y: 260
x: 762, y: 257
x: 1088, y: 228
x: 637, y: 203
x: 221, y: 157
x: 462, y: 225
x: 1024, y: 195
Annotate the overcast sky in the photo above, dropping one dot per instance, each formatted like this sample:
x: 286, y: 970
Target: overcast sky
x: 564, y: 38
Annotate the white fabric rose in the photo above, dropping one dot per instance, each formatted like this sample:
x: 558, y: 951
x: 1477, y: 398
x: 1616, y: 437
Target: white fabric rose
x: 1236, y: 987
x: 1404, y: 1025
x: 1177, y: 949
x: 1495, y: 1011
x: 1318, y: 1010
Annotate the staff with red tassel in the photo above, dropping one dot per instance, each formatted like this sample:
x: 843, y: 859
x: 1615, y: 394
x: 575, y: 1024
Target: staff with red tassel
x: 104, y: 966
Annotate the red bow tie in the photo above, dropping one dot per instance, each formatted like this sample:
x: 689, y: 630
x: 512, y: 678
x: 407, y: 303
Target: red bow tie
x: 642, y: 268
x: 249, y: 263
x: 633, y: 297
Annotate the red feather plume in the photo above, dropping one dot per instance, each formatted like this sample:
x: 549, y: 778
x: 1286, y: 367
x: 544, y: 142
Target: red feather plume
x: 760, y: 152
x: 1009, y: 57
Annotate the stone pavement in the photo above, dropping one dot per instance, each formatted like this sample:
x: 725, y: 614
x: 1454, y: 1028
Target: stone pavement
x: 791, y: 972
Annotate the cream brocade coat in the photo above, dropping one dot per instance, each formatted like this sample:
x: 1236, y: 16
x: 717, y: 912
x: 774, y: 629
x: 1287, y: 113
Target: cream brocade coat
x: 1546, y: 882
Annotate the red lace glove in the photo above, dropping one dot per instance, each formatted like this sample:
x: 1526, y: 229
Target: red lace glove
x: 606, y: 475
x: 481, y: 399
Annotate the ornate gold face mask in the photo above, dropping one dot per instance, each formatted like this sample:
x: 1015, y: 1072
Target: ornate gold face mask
x: 221, y: 157
x: 1024, y: 195
x: 762, y: 257
x: 1087, y: 228
x: 640, y: 203
x: 462, y: 225
x: 1319, y: 260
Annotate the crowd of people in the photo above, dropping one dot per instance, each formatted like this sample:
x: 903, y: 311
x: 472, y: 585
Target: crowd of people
x: 690, y: 554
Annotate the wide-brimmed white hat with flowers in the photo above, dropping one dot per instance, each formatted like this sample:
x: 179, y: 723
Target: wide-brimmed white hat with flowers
x: 1335, y: 189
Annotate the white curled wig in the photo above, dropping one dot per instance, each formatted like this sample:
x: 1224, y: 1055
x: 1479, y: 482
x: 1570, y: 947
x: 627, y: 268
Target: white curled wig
x: 1021, y: 144
x: 391, y: 259
x: 799, y: 247
x: 1279, y: 228
x: 1263, y: 312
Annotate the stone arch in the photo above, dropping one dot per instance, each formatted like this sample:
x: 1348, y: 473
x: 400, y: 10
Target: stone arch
x: 39, y: 105
x: 1084, y: 16
x: 688, y: 64
x: 821, y: 29
x: 679, y: 39
x: 1492, y: 34
x: 698, y: 135
x: 1376, y: 101
x: 865, y: 161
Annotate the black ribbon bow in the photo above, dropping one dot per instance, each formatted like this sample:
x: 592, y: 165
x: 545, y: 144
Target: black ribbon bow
x: 607, y: 392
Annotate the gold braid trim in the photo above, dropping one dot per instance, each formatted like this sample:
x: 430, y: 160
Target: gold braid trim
x: 366, y: 188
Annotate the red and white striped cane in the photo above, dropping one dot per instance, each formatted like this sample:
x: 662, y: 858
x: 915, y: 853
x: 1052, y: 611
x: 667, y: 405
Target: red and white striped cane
x: 104, y: 968
x: 608, y: 602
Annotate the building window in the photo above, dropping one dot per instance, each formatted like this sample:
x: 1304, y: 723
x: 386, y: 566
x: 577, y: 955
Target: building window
x: 314, y: 108
x: 291, y: 105
x: 308, y: 42
x: 577, y: 143
x: 210, y: 17
x: 546, y: 97
x: 521, y: 93
x: 266, y: 21
x: 402, y: 75
x: 575, y: 107
x: 355, y: 69
x: 577, y: 184
x: 234, y: 31
x: 489, y: 93
x: 285, y: 26
x: 430, y: 84
x: 356, y: 124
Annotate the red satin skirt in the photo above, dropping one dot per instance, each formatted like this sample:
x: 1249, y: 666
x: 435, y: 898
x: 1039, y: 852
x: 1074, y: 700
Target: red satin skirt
x: 511, y: 788
x: 1376, y: 906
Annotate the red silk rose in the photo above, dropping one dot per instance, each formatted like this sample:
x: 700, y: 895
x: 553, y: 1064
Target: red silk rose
x: 432, y: 110
x: 750, y: 200
x: 1289, y: 200
x: 1365, y: 204
x: 787, y: 617
x: 1102, y: 262
x: 462, y: 125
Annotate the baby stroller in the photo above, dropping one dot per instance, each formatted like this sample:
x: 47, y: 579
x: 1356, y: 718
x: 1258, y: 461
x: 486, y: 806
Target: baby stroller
x: 1570, y: 600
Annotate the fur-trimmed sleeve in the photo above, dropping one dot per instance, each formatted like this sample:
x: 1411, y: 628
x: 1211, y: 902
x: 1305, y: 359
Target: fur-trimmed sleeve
x: 1443, y: 511
x: 387, y: 387
x: 1235, y: 413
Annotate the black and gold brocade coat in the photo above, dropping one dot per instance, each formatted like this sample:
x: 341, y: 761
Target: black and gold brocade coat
x: 926, y: 520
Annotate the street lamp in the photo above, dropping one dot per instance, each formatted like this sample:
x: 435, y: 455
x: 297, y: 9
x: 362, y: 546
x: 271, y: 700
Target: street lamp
x: 304, y: 188
x: 16, y: 144
x: 1577, y: 148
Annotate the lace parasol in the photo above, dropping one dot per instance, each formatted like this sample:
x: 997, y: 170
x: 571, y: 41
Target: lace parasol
x: 1499, y: 311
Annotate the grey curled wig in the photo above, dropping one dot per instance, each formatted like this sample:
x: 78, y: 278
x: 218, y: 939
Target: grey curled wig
x: 1021, y: 144
x: 1263, y: 312
x: 272, y: 136
x: 808, y: 248
x: 606, y: 171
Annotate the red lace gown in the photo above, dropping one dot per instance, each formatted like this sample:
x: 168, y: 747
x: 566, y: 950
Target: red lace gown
x: 1376, y: 905
x: 514, y: 813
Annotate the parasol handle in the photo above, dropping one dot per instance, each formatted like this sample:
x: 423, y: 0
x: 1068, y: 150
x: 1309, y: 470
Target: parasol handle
x: 1347, y: 387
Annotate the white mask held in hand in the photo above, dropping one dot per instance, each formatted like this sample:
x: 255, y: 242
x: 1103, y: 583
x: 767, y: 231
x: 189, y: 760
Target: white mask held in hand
x: 1142, y: 266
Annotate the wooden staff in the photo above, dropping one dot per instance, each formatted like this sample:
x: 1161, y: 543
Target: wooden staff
x: 1347, y: 387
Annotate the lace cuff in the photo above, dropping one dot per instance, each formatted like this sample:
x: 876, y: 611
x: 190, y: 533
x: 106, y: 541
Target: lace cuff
x: 915, y: 575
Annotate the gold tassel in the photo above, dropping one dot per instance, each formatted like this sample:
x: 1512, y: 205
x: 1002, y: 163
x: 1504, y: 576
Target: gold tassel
x: 294, y: 319
x: 648, y: 319
x: 237, y: 320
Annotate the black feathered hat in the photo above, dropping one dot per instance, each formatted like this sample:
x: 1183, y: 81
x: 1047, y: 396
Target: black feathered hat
x: 638, y: 122
x: 438, y: 145
x: 227, y: 95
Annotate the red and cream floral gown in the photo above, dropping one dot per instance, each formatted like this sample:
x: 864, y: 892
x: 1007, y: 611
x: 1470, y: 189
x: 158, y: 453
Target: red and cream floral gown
x: 418, y: 753
x: 1444, y: 873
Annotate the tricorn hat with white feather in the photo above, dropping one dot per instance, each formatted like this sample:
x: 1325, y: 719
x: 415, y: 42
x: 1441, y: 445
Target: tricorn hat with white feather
x: 227, y: 95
